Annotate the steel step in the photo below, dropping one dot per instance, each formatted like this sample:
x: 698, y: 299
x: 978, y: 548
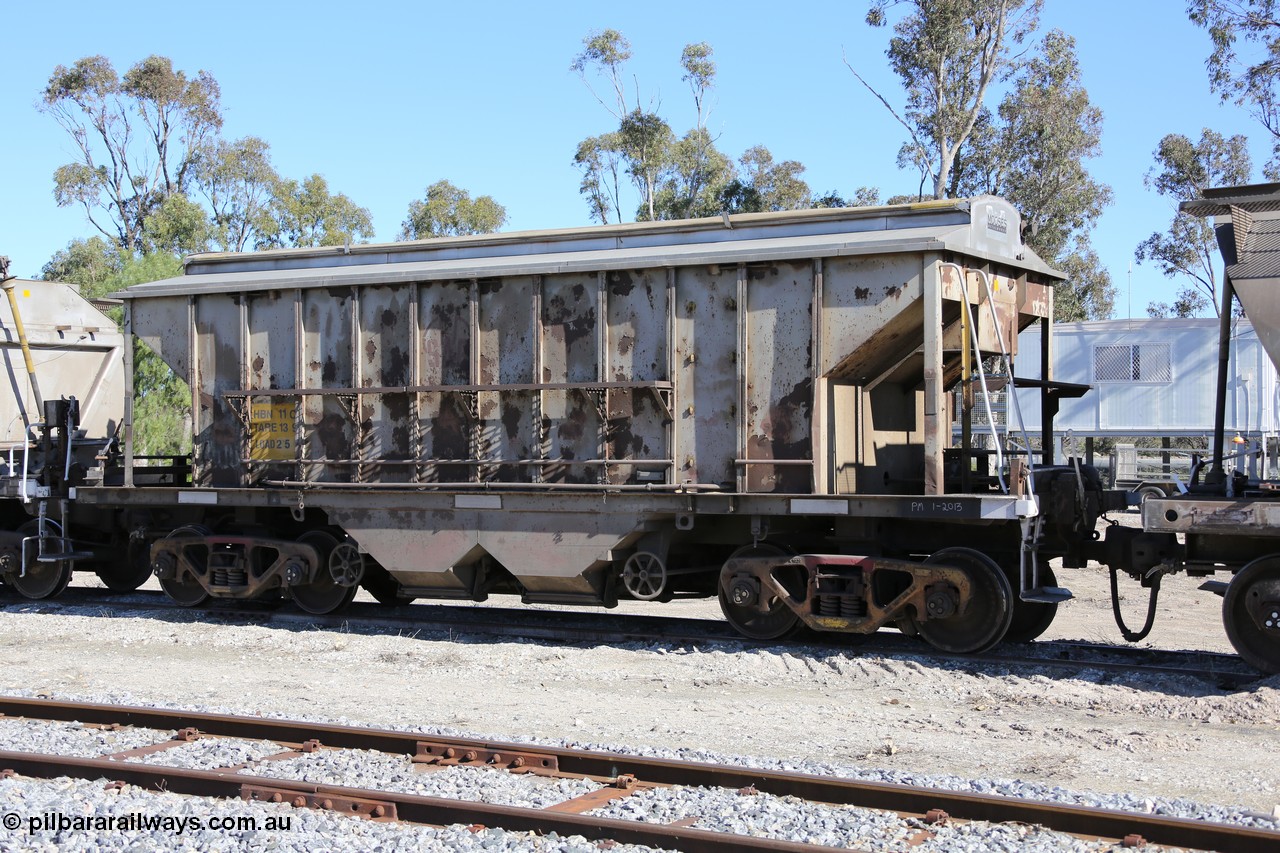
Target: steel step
x: 1215, y: 587
x: 65, y: 556
x: 1047, y: 594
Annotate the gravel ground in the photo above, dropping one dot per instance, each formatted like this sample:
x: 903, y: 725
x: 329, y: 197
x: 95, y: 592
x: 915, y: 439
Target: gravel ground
x: 305, y: 831
x: 1170, y: 745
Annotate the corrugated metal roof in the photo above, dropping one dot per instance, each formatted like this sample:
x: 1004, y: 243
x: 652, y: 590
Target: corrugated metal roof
x: 1255, y: 198
x: 948, y: 236
x: 1261, y: 255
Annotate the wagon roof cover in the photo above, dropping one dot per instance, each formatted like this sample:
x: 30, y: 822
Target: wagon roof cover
x: 986, y: 228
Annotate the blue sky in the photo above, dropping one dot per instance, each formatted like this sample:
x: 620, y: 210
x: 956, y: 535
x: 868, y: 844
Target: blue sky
x: 384, y: 98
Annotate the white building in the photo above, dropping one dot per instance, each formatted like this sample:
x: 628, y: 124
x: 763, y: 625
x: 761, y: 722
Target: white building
x: 1152, y: 378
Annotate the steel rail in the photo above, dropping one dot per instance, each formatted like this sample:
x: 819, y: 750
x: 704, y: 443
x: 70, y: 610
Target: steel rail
x: 435, y: 811
x: 903, y: 799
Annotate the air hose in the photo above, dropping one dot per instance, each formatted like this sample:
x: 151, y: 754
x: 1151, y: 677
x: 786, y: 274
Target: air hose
x: 1134, y: 636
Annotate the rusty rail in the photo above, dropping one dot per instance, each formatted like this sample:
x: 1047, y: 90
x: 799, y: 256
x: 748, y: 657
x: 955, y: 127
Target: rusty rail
x: 904, y: 799
x: 363, y: 802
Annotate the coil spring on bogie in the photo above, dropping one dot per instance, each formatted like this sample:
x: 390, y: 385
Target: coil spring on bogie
x: 230, y: 577
x: 844, y: 605
x: 841, y: 596
x: 227, y: 569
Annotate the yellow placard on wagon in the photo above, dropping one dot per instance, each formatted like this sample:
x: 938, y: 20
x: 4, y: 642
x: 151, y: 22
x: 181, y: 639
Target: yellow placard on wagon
x: 271, y: 431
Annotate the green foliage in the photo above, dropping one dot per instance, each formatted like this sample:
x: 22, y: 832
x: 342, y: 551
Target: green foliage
x: 1049, y: 129
x: 177, y: 226
x: 605, y: 52
x: 150, y: 159
x: 123, y: 173
x: 675, y: 177
x: 697, y: 176
x: 862, y: 197
x: 1250, y: 80
x: 1088, y: 293
x: 90, y: 263
x: 645, y: 144
x: 238, y: 182
x: 161, y: 400
x: 600, y: 159
x: 700, y: 74
x: 766, y: 185
x: 1189, y: 303
x: 1032, y: 150
x: 947, y: 53
x: 307, y: 214
x: 449, y: 211
x: 1187, y: 248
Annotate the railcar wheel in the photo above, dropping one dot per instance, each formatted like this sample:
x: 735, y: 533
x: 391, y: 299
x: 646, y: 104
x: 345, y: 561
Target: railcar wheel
x: 186, y: 593
x: 1251, y: 613
x: 1030, y: 618
x: 324, y: 594
x: 740, y: 608
x: 990, y: 610
x: 130, y: 573
x: 42, y: 580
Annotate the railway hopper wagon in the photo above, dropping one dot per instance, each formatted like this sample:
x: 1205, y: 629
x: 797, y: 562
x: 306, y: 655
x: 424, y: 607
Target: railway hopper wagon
x: 1227, y: 520
x: 64, y: 365
x: 757, y: 407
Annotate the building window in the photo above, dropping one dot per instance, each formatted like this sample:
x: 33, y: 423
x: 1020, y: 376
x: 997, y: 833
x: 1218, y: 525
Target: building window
x: 1132, y: 363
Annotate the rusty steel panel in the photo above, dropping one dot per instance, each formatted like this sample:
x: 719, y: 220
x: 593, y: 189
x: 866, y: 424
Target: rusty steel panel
x: 163, y: 325
x: 570, y: 312
x: 505, y: 341
x: 329, y: 426
x: 570, y: 337
x: 444, y: 358
x: 638, y: 328
x: 272, y: 356
x: 387, y: 420
x: 779, y: 403
x: 444, y: 330
x: 218, y: 445
x: 870, y: 319
x: 272, y: 364
x: 638, y: 429
x: 706, y: 374
x: 571, y: 426
x: 638, y: 315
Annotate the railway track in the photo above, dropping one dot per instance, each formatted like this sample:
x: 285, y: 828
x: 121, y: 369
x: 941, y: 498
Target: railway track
x: 1224, y: 671
x: 615, y: 777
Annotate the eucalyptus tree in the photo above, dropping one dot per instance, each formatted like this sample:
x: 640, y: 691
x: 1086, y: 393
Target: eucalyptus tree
x: 948, y: 54
x: 136, y: 137
x: 449, y: 211
x: 305, y: 213
x: 1244, y: 66
x: 1187, y: 249
x: 1048, y: 130
x: 239, y: 183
